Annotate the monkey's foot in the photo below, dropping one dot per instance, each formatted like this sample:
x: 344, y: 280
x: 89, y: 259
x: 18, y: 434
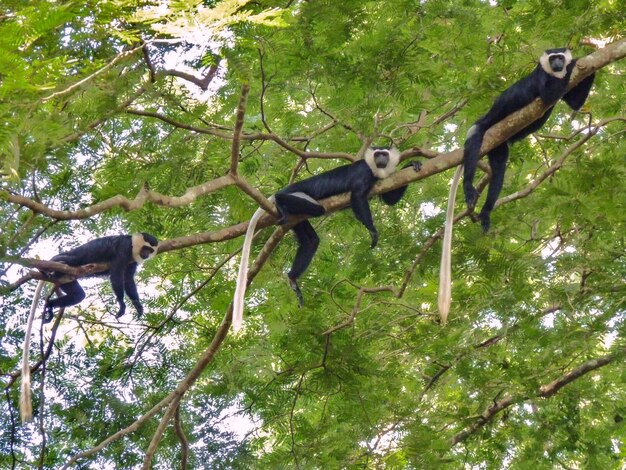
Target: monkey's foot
x: 471, y: 197
x: 48, y: 314
x: 374, y: 235
x: 139, y: 309
x: 121, y: 311
x: 294, y: 286
x: 485, y: 221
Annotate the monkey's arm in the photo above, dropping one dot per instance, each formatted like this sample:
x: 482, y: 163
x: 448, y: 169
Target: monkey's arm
x: 131, y: 288
x: 392, y: 197
x: 117, y: 277
x: 576, y: 97
x: 361, y: 209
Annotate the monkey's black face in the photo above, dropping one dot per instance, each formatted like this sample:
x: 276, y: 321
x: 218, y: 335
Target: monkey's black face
x: 557, y: 62
x: 146, y: 252
x: 381, y: 158
x: 145, y: 246
x: 382, y: 161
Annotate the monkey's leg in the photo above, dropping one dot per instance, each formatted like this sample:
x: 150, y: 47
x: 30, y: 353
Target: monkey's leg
x: 392, y: 197
x: 74, y: 295
x: 497, y: 160
x: 297, y: 203
x: 308, y: 241
x: 471, y: 155
x: 117, y: 277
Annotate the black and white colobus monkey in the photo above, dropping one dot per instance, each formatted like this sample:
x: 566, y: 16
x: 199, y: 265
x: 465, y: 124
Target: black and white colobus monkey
x: 547, y: 81
x: 302, y: 198
x: 123, y: 253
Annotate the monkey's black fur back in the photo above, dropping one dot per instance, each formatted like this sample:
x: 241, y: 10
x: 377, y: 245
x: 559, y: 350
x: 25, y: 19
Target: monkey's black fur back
x: 99, y: 250
x: 336, y: 181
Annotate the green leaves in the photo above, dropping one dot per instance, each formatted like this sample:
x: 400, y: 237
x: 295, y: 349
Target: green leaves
x: 363, y: 375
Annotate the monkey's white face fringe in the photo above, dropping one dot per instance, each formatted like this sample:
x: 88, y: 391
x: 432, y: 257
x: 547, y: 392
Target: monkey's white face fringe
x: 138, y: 243
x: 394, y: 159
x: 544, y: 60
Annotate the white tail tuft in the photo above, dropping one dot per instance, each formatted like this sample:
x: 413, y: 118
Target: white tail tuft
x: 445, y: 269
x: 242, y: 277
x: 26, y: 402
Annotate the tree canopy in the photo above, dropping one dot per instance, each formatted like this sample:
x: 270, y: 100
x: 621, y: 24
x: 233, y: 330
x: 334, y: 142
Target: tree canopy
x: 181, y: 118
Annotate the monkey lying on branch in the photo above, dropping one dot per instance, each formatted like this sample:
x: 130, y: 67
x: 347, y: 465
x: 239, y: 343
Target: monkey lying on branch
x: 121, y: 254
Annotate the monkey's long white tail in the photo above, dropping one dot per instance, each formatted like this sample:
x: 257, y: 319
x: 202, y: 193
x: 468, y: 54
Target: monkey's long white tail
x: 445, y: 269
x: 242, y: 277
x: 26, y: 402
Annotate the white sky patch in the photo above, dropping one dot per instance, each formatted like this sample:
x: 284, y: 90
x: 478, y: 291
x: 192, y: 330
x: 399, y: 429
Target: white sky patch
x: 450, y: 127
x: 491, y: 321
x: 384, y: 442
x: 552, y: 249
x: 237, y: 422
x: 615, y: 444
x: 428, y: 209
x: 548, y: 320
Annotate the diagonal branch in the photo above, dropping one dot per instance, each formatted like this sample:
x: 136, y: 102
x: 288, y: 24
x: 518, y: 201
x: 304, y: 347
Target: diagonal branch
x: 78, y: 84
x: 495, y: 136
x: 143, y: 196
x: 182, y: 437
x: 545, y: 391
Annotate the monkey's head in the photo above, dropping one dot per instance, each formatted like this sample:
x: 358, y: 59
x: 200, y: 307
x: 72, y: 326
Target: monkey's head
x: 382, y: 160
x: 145, y: 246
x: 555, y: 61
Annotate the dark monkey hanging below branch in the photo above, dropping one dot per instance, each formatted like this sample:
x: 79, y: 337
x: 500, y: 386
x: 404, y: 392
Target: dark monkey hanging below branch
x: 302, y: 198
x: 123, y: 253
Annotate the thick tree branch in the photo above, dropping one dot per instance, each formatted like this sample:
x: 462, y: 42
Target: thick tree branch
x: 143, y: 196
x: 495, y: 136
x: 509, y: 126
x: 268, y: 219
x: 546, y: 391
x: 182, y: 437
x: 158, y: 434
